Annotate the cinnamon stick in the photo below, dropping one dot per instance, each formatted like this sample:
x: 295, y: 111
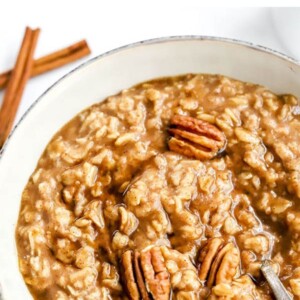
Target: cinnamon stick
x: 17, y: 82
x: 52, y: 61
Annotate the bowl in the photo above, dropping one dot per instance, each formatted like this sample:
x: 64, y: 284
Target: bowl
x: 106, y: 75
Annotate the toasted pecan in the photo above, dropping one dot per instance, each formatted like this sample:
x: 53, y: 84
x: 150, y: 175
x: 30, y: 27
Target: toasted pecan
x: 195, y: 138
x: 145, y: 275
x: 218, y: 262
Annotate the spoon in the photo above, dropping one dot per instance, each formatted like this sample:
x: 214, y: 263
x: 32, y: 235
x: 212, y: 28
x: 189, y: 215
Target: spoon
x: 276, y: 285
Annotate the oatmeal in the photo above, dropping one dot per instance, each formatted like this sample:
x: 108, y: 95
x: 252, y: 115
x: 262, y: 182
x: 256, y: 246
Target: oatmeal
x: 177, y: 188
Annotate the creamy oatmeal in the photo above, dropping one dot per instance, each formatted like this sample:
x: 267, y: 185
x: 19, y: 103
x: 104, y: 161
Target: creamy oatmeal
x: 176, y: 188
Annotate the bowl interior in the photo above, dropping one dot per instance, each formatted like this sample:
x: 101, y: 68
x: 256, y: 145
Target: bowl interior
x: 107, y: 75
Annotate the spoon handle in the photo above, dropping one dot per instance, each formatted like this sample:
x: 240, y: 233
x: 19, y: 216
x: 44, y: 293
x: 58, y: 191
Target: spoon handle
x: 276, y: 285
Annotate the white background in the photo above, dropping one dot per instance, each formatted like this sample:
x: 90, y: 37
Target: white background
x: 110, y: 24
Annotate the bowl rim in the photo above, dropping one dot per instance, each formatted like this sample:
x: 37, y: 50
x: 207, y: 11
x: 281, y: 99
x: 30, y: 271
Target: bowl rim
x: 163, y: 39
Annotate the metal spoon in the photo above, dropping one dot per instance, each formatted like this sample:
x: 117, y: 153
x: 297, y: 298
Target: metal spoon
x: 276, y: 285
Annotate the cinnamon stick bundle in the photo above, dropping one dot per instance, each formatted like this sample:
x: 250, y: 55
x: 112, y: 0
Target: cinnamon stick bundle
x: 52, y: 61
x: 16, y: 83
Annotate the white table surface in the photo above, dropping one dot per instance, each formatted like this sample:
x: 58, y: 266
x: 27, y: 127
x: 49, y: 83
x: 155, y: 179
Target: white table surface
x: 115, y: 23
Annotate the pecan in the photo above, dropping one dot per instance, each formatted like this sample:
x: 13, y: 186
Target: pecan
x: 145, y: 275
x: 139, y: 277
x: 207, y: 256
x: 156, y: 274
x: 129, y: 275
x: 218, y: 262
x: 195, y: 138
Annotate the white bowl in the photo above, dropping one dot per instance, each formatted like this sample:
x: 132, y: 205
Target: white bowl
x: 105, y: 75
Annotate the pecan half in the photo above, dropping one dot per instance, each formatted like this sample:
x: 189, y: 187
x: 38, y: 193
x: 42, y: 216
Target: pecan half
x: 145, y: 275
x: 129, y: 275
x: 156, y: 274
x: 139, y: 277
x: 218, y: 262
x: 207, y: 256
x: 195, y: 138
